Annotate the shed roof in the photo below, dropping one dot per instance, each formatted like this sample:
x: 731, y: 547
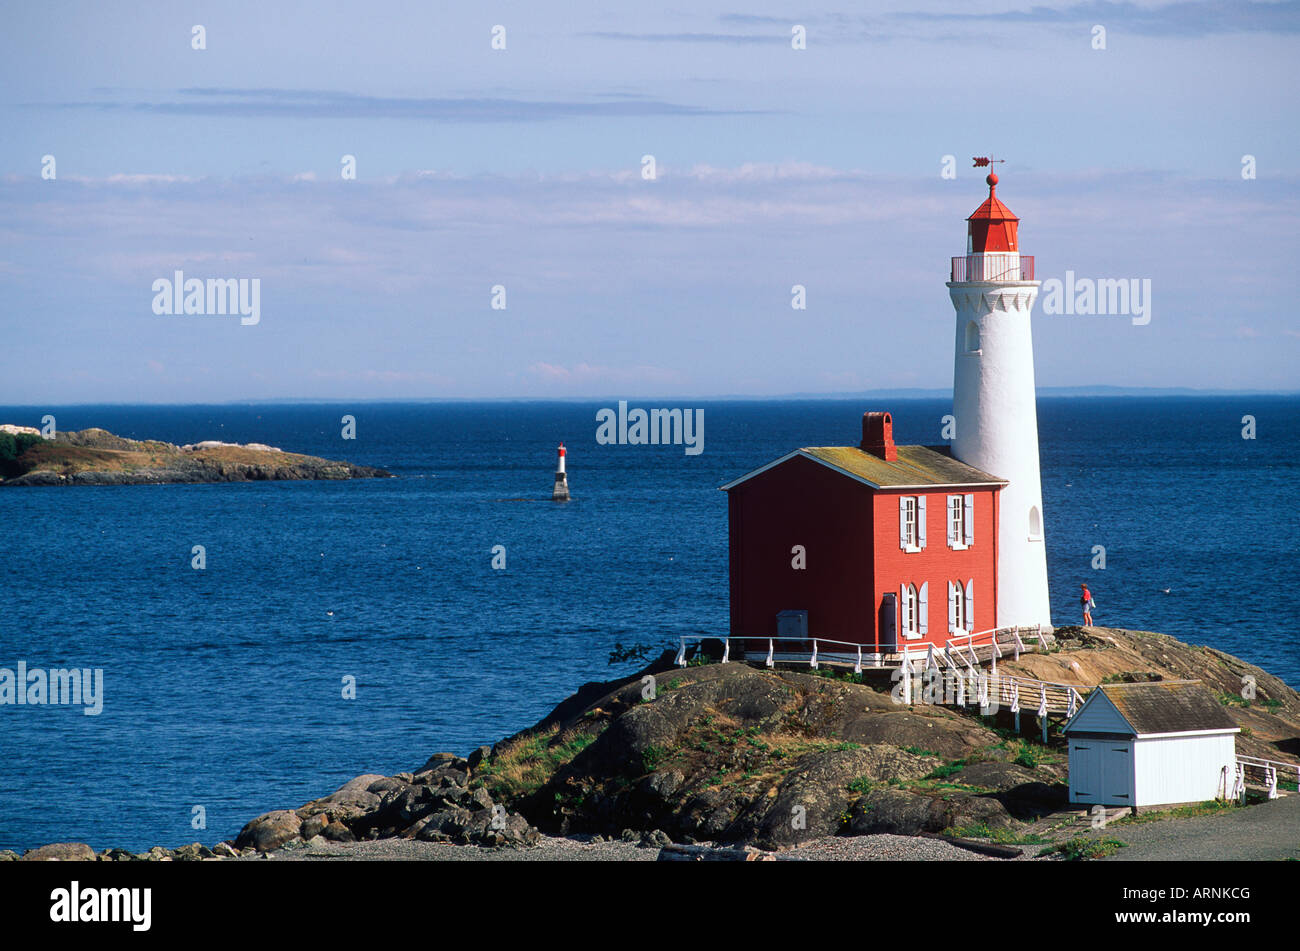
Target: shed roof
x: 915, y: 467
x: 1170, y: 706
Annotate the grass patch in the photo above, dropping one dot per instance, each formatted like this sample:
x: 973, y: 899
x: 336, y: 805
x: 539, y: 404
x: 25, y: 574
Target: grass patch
x: 980, y: 830
x: 652, y: 757
x: 937, y: 784
x: 1132, y: 677
x: 1022, y: 752
x: 1231, y: 699
x: 843, y: 676
x: 1081, y: 847
x: 947, y: 769
x: 1210, y: 808
x: 526, y: 765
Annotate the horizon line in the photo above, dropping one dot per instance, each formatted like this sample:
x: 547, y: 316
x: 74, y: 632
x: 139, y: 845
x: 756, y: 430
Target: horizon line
x: 905, y: 393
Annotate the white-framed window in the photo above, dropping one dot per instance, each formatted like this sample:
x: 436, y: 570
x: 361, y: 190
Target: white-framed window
x: 911, y: 522
x: 961, y: 606
x: 914, y: 610
x: 961, y: 521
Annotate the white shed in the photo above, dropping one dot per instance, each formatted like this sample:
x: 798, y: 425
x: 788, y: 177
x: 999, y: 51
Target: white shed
x: 1151, y: 744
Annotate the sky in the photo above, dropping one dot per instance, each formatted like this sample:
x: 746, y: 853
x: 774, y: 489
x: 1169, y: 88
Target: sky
x: 1142, y: 141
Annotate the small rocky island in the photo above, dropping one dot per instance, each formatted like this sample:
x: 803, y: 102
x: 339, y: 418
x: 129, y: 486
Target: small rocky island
x: 97, y: 457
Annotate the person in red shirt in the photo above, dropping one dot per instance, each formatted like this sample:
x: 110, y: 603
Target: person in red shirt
x: 1086, y: 602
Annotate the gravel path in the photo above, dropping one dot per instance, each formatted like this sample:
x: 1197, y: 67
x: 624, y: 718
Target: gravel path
x: 882, y: 848
x: 867, y: 848
x: 1266, y: 832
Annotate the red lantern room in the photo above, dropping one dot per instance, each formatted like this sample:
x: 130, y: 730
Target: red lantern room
x: 992, y: 227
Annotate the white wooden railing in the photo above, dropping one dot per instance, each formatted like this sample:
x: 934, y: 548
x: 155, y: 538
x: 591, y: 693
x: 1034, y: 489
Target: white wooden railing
x: 823, y: 649
x: 1264, y: 772
x: 995, y: 643
x: 950, y: 683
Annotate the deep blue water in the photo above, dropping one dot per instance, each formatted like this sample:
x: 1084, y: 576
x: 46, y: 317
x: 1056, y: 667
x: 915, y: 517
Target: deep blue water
x: 223, y: 686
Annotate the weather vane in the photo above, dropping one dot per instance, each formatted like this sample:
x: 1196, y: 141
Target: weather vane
x: 982, y: 160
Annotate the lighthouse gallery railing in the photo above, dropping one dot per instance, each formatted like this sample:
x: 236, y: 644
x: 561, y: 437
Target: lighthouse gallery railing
x: 1001, y: 266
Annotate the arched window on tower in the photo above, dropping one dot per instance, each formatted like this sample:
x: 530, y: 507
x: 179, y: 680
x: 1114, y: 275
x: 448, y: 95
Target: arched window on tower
x: 972, y: 337
x: 1035, y: 524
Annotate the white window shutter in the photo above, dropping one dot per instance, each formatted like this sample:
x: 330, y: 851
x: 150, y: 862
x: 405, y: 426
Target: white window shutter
x: 952, y: 537
x: 902, y: 522
x: 920, y: 521
x: 970, y: 605
x: 923, y: 609
x: 902, y: 608
x: 968, y: 518
x: 952, y: 608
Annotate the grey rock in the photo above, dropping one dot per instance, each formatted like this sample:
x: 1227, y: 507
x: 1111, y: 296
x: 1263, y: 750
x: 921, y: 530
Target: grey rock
x: 477, y: 757
x: 312, y: 826
x: 350, y: 800
x: 269, y: 831
x: 337, y: 832
x: 655, y: 839
x: 60, y: 852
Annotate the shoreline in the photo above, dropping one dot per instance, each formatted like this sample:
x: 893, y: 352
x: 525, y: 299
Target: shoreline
x: 724, y: 752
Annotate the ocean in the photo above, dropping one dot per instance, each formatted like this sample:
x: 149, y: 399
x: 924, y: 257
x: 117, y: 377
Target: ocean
x: 223, y: 687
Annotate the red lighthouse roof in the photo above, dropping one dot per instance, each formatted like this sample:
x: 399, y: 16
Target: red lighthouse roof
x: 993, y: 226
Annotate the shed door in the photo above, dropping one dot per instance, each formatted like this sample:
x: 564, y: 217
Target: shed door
x: 1101, y: 771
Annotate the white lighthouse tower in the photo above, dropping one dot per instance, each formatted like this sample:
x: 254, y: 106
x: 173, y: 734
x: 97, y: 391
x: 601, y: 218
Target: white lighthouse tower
x: 993, y: 291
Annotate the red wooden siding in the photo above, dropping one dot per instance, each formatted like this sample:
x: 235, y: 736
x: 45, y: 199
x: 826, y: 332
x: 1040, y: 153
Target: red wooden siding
x: 850, y: 535
x: 801, y: 502
x: 937, y: 563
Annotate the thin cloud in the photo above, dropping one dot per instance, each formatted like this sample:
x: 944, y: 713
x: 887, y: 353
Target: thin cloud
x: 735, y: 39
x: 1173, y: 19
x: 326, y: 104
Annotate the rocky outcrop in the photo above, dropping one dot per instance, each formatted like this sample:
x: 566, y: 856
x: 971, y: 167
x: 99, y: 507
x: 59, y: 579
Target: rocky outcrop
x: 726, y: 753
x: 729, y: 753
x: 61, y: 852
x: 436, y: 804
x: 734, y: 754
x: 97, y: 457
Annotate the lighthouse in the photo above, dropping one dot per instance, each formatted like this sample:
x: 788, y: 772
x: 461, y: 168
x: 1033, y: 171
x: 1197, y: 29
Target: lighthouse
x: 561, y: 491
x: 993, y: 291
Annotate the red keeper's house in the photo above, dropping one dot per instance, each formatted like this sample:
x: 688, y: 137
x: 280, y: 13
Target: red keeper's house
x: 880, y: 545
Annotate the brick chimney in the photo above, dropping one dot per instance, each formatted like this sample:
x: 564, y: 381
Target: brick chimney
x: 878, y: 436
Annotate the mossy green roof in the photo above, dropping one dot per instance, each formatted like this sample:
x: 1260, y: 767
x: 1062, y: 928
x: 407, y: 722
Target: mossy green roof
x: 1176, y: 706
x: 915, y: 466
